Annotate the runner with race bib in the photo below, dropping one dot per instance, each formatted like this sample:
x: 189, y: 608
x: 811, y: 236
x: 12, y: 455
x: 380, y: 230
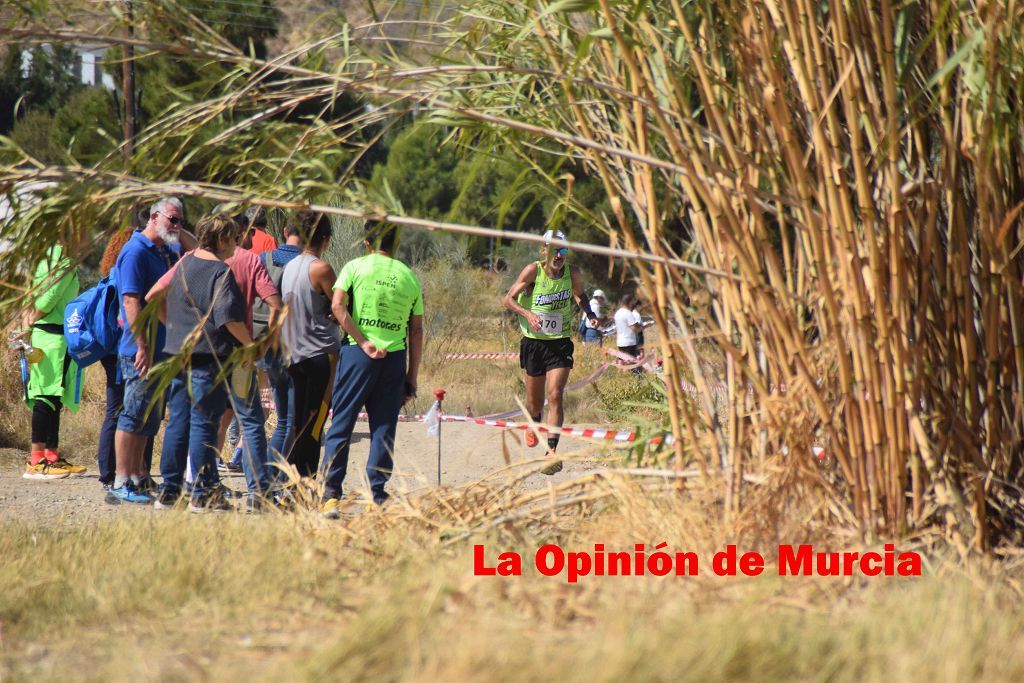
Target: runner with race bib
x: 541, y: 298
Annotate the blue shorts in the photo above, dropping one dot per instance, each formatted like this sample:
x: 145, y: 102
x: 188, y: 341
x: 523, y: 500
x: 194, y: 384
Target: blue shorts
x: 139, y: 394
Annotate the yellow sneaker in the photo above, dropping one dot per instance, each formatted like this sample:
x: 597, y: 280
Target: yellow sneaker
x: 331, y: 508
x: 75, y: 470
x: 44, y: 471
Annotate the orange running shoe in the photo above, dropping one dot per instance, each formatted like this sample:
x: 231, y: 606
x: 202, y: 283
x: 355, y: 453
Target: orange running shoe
x: 531, y: 438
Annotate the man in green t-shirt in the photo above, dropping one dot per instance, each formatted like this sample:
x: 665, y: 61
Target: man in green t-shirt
x: 378, y: 302
x: 541, y: 296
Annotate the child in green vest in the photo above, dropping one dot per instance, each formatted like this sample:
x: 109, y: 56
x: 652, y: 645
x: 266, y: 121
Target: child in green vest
x: 55, y: 381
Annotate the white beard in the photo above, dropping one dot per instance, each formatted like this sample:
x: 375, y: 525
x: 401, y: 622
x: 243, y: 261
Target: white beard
x: 167, y: 236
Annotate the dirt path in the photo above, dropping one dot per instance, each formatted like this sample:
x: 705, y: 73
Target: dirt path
x: 469, y: 453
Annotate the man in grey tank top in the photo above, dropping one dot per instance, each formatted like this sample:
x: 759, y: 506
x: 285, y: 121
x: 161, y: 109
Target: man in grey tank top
x: 310, y: 338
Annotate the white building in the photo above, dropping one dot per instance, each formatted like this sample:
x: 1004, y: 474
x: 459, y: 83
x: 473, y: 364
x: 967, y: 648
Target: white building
x: 88, y: 67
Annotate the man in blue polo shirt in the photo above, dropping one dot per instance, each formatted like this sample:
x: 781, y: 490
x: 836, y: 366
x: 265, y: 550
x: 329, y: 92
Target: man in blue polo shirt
x: 144, y: 258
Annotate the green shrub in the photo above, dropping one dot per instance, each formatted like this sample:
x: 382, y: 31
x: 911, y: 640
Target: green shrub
x: 34, y: 134
x: 86, y: 127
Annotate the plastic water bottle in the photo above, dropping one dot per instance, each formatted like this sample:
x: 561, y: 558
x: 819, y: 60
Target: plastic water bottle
x: 431, y: 420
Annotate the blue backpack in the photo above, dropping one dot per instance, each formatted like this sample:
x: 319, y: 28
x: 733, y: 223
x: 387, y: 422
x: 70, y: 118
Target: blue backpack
x: 91, y: 328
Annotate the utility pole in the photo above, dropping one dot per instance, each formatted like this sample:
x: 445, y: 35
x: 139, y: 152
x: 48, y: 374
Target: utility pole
x: 128, y: 85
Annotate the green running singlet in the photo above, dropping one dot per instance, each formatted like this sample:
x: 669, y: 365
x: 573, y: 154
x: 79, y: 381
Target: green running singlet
x: 550, y: 300
x: 382, y: 294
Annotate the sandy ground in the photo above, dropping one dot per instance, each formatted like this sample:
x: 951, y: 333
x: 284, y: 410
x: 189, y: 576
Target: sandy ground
x: 469, y: 453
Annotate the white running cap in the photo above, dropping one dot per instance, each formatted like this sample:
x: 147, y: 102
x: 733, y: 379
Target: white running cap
x: 599, y: 293
x: 554, y: 235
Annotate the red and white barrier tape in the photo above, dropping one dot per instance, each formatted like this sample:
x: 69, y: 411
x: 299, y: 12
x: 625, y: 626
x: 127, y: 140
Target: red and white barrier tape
x: 401, y: 418
x: 618, y: 435
x: 584, y: 432
x: 625, y: 362
x: 717, y: 389
x: 628, y: 362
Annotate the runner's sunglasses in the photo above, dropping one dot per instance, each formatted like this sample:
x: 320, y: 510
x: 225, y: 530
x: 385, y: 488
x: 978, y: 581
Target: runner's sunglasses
x: 563, y: 251
x: 173, y: 219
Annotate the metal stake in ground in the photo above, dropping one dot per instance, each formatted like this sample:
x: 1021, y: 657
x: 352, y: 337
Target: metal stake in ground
x: 439, y: 395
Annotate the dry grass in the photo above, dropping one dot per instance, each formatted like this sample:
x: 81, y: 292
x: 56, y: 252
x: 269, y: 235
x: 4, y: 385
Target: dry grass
x: 387, y: 596
x: 391, y: 596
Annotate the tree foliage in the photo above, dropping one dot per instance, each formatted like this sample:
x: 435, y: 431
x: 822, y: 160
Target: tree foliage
x: 34, y: 134
x: 44, y: 86
x: 433, y: 174
x: 87, y: 126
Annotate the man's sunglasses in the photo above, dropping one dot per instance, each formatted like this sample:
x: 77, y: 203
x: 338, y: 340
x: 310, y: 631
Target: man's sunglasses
x: 173, y: 219
x: 561, y: 252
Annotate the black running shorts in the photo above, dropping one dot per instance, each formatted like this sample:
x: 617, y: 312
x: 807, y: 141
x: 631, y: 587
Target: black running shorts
x: 537, y: 356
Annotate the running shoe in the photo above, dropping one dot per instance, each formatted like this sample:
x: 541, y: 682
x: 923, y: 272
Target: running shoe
x: 331, y: 508
x: 235, y: 464
x: 129, y: 494
x: 166, y: 499
x: 209, y: 503
x: 554, y: 467
x: 44, y: 471
x: 75, y: 470
x: 256, y: 503
x: 227, y: 493
x: 282, y: 500
x: 531, y: 438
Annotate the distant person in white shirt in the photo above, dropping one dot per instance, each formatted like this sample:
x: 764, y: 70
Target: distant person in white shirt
x: 592, y: 329
x: 627, y: 325
x: 637, y: 303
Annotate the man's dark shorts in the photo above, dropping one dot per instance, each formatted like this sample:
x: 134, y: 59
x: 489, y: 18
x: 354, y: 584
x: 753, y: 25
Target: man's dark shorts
x: 537, y: 356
